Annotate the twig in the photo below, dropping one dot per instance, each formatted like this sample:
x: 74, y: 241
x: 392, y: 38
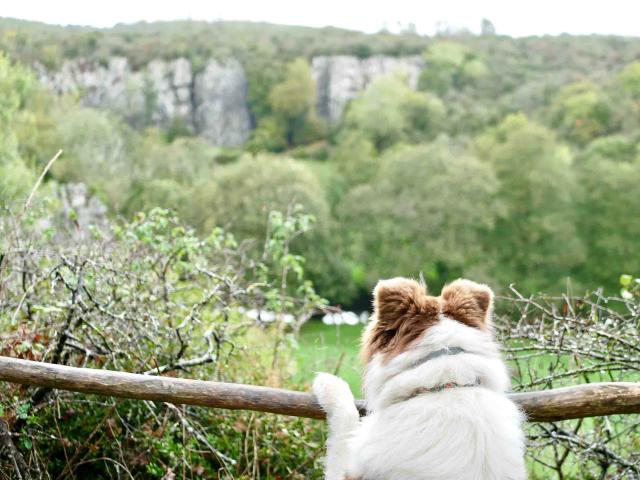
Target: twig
x: 27, y: 204
x: 20, y: 466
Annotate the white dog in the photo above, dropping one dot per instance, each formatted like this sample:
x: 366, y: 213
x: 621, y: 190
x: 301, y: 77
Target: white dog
x: 434, y: 387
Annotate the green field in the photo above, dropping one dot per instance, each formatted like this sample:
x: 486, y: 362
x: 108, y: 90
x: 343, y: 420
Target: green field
x: 334, y: 349
x: 330, y: 348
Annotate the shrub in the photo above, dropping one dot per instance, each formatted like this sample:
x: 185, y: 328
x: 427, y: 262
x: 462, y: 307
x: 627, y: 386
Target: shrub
x: 581, y: 113
x: 388, y: 112
x: 426, y: 210
x: 556, y: 341
x: 535, y: 239
x: 155, y: 298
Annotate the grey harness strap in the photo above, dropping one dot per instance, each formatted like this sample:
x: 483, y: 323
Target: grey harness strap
x: 431, y: 356
x: 436, y: 354
x: 441, y: 387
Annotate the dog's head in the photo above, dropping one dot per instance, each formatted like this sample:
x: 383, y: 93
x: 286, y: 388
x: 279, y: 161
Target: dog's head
x: 403, y: 313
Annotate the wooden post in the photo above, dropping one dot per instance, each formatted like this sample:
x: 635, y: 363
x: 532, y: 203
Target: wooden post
x: 548, y: 405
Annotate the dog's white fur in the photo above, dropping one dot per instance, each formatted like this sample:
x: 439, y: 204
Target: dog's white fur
x: 459, y: 433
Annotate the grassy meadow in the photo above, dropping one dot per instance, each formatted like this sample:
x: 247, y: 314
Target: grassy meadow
x: 335, y: 349
x: 330, y: 348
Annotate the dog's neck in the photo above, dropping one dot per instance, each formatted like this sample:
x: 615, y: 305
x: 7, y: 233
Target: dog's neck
x: 449, y: 353
x: 447, y: 350
x: 436, y: 388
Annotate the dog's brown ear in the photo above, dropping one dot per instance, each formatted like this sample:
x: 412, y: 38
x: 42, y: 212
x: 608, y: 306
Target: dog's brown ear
x: 468, y: 302
x: 395, y: 298
x: 402, y: 311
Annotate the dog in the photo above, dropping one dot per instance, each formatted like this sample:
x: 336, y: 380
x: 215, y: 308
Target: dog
x: 434, y: 388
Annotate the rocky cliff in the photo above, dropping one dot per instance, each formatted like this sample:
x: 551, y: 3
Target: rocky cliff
x: 211, y: 102
x: 339, y: 78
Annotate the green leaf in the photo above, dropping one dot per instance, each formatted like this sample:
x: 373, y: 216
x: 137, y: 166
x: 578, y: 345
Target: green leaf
x: 625, y: 280
x: 23, y: 410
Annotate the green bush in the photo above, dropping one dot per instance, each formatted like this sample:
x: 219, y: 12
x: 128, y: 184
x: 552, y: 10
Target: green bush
x: 581, y: 113
x: 16, y: 84
x: 155, y: 297
x: 450, y: 65
x: 535, y: 239
x: 611, y: 203
x: 427, y: 211
x: 388, y: 112
x: 96, y: 148
x: 293, y: 103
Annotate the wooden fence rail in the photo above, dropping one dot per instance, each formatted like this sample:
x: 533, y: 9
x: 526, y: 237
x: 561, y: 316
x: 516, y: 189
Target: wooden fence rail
x: 579, y: 401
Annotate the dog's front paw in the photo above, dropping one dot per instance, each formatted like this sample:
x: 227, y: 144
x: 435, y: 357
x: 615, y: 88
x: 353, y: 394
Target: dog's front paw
x: 332, y: 392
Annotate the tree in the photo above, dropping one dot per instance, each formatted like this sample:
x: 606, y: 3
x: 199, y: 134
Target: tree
x: 614, y: 147
x: 270, y: 136
x: 241, y: 195
x: 628, y: 107
x: 35, y: 126
x: 630, y: 79
x: 487, y: 27
x: 166, y: 174
x: 355, y: 158
x: 609, y: 211
x: 185, y: 159
x: 97, y: 148
x: 293, y: 103
x: 388, y: 112
x: 352, y: 162
x: 450, y: 65
x: 581, y: 112
x: 427, y: 210
x: 16, y: 83
x: 535, y: 241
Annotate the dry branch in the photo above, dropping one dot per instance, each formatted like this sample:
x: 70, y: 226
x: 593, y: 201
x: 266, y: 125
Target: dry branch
x: 580, y: 401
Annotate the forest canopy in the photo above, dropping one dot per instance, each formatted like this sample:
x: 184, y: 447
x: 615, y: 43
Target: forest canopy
x: 510, y: 160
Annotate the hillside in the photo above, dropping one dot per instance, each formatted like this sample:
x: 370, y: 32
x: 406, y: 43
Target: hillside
x: 497, y: 157
x: 522, y: 72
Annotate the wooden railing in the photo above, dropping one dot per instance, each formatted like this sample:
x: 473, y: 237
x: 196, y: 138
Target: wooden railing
x: 587, y: 400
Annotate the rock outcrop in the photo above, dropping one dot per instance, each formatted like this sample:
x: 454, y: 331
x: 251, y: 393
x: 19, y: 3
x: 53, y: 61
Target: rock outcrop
x: 221, y: 112
x: 211, y: 103
x: 339, y: 78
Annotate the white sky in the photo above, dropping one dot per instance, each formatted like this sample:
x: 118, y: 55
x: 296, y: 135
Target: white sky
x: 515, y: 17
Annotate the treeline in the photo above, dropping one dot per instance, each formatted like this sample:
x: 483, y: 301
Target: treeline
x: 197, y: 41
x: 515, y: 161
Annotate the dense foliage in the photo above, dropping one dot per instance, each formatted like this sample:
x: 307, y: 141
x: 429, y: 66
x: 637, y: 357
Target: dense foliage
x: 150, y: 296
x: 553, y: 342
x: 507, y: 163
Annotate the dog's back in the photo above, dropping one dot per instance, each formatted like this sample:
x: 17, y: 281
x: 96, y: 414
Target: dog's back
x: 454, y: 434
x: 435, y: 390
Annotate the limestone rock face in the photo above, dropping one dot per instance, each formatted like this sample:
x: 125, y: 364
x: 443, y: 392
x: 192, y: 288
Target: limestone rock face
x: 211, y: 103
x: 339, y: 78
x: 171, y: 84
x: 221, y: 112
x: 112, y: 85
